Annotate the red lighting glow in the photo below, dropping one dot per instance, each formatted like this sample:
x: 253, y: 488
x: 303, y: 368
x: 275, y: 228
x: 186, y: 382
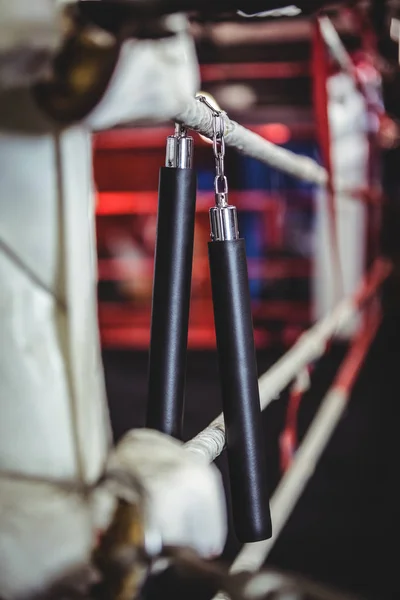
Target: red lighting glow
x: 277, y: 133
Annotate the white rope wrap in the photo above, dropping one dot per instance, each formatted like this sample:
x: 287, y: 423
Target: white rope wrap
x: 198, y: 116
x: 209, y: 444
x: 335, y: 45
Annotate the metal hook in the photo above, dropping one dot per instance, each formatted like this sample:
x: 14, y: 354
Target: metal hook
x: 218, y: 116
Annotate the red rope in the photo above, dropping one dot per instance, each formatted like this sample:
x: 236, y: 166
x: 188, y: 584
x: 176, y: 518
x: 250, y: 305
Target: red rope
x: 350, y: 369
x: 373, y: 198
x: 288, y: 441
x: 345, y: 380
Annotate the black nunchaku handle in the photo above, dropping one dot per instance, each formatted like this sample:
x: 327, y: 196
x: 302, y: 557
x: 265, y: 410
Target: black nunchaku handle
x: 171, y: 300
x: 239, y: 387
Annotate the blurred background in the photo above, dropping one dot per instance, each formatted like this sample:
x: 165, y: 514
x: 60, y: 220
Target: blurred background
x: 344, y: 527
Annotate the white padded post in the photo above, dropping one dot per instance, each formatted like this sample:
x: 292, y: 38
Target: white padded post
x: 53, y: 416
x: 349, y: 150
x: 54, y: 423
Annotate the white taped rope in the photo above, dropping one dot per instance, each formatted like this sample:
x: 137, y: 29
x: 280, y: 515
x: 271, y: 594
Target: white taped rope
x: 198, y: 116
x: 335, y: 45
x: 209, y: 444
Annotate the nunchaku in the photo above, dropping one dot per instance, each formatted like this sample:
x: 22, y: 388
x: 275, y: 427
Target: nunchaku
x: 233, y: 326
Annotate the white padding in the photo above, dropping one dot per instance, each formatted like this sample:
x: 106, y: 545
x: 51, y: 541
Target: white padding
x: 153, y: 80
x: 186, y: 497
x: 53, y: 414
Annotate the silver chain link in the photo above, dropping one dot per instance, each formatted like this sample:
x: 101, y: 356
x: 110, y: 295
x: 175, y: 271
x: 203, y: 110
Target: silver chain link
x: 218, y: 140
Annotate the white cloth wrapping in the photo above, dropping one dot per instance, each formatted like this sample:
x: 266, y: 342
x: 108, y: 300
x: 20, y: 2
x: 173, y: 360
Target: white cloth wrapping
x: 186, y: 503
x: 154, y: 80
x: 53, y: 415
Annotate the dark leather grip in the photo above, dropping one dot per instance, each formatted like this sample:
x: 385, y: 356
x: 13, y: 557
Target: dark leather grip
x: 239, y: 386
x: 171, y: 300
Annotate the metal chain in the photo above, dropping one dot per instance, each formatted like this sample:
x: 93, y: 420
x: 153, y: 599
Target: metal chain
x: 218, y: 140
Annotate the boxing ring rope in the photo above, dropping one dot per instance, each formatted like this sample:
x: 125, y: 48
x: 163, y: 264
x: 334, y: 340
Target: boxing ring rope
x: 336, y: 46
x: 198, y: 116
x: 344, y: 60
x: 294, y: 481
x: 210, y: 442
x: 312, y: 345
